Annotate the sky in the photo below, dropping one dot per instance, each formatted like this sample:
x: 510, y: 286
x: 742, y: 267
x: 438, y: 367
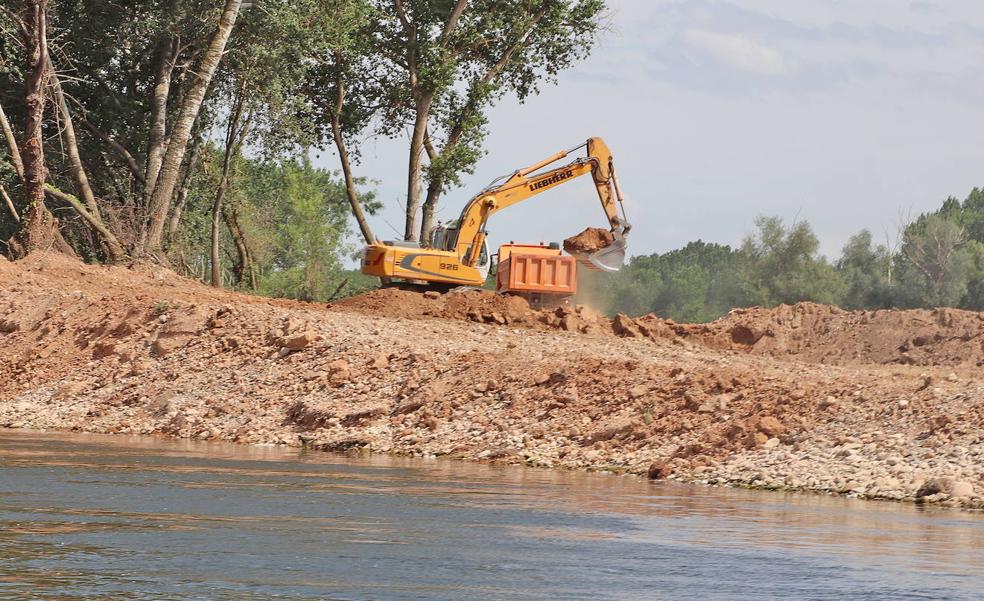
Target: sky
x: 849, y: 114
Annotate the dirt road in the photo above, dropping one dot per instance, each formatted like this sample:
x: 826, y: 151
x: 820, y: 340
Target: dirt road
x: 883, y: 404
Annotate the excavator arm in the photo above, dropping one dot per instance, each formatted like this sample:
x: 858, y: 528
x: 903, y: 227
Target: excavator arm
x: 526, y: 183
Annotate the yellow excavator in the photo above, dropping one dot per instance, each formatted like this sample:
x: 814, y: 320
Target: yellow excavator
x: 458, y: 253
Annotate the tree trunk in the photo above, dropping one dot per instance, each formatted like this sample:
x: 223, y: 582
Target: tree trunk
x: 234, y: 136
x: 158, y: 111
x: 37, y: 224
x: 471, y: 108
x: 430, y: 207
x: 415, y: 171
x: 214, y: 249
x: 175, y: 219
x: 244, y: 263
x: 114, y: 250
x: 216, y: 216
x: 336, y: 133
x: 160, y: 200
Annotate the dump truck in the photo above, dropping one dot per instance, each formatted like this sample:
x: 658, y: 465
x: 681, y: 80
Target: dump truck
x: 457, y: 253
x: 540, y: 272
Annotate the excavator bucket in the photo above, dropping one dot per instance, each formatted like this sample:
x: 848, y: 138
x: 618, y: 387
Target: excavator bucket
x: 612, y: 257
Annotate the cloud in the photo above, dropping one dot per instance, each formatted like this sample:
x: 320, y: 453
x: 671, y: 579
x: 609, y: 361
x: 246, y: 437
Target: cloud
x: 924, y: 8
x: 738, y: 52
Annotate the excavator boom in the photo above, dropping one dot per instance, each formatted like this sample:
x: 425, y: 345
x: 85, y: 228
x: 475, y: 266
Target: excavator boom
x: 521, y: 185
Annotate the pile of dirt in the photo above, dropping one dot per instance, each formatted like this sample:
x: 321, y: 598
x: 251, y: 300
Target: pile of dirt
x: 590, y: 240
x: 481, y: 306
x: 827, y: 334
x: 478, y: 376
x: 803, y: 332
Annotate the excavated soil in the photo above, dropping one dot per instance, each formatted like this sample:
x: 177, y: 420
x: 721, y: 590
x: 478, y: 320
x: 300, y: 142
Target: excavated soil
x: 883, y: 404
x: 590, y: 240
x: 805, y: 331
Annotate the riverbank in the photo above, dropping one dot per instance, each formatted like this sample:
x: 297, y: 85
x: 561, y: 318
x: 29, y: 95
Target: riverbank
x: 883, y: 404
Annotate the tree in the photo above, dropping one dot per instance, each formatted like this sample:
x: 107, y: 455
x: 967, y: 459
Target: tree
x: 695, y: 283
x: 37, y: 227
x: 935, y: 268
x: 974, y: 297
x: 165, y: 179
x: 260, y: 88
x: 135, y: 56
x: 781, y: 264
x: 865, y: 269
x: 310, y: 229
x: 341, y: 103
x: 441, y: 64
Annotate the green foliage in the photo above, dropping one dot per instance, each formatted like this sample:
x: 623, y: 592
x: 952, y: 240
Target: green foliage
x: 696, y: 283
x: 294, y: 219
x: 310, y: 227
x: 781, y: 264
x: 934, y: 262
x: 7, y: 224
x: 974, y: 265
x: 387, y: 68
x: 865, y: 270
x: 161, y: 307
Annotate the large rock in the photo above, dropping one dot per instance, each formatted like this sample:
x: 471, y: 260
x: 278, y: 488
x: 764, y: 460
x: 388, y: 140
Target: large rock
x: 658, y: 470
x: 299, y: 341
x: 339, y: 372
x: 68, y: 390
x: 962, y: 488
x: 610, y: 432
x: 625, y: 326
x: 946, y: 486
x: 770, y: 426
x: 177, y: 332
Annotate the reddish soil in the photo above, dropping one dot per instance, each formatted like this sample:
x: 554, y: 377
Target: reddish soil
x: 805, y: 397
x: 805, y: 331
x: 590, y: 240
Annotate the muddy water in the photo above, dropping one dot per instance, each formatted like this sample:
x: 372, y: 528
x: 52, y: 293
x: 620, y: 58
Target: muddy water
x: 140, y: 518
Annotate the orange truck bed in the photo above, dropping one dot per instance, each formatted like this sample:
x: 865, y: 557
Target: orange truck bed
x: 535, y: 269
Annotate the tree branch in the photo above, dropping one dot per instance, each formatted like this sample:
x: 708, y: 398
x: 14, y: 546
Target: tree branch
x: 71, y: 143
x: 429, y: 146
x: 452, y: 22
x: 336, y: 133
x: 10, y: 204
x: 76, y: 204
x: 401, y: 13
x: 8, y: 134
x: 131, y: 162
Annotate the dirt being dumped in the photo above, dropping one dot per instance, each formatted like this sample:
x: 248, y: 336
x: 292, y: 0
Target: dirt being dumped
x: 873, y: 404
x: 590, y: 240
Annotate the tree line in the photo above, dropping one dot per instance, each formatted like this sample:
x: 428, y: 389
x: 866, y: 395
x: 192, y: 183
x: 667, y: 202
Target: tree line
x: 180, y: 131
x: 934, y: 260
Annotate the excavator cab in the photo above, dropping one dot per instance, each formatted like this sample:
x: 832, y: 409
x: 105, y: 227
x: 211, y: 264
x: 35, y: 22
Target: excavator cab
x: 445, y: 236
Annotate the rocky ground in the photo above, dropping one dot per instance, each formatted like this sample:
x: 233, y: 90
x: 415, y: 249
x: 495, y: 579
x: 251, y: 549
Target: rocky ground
x: 883, y: 404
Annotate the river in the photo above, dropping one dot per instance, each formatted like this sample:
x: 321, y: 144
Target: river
x: 97, y: 517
